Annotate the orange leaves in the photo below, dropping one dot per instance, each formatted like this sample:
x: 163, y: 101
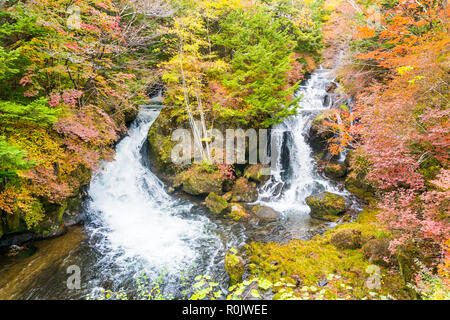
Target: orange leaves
x: 364, y: 32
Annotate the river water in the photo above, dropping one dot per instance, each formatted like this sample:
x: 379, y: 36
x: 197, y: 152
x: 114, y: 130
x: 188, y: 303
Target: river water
x: 134, y: 226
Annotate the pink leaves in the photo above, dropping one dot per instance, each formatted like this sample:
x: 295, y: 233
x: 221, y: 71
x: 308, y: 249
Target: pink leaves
x: 70, y: 96
x: 28, y: 78
x: 54, y: 99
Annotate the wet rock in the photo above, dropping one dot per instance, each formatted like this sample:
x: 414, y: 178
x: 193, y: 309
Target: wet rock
x: 235, y: 267
x: 347, y: 239
x: 227, y: 196
x: 255, y: 172
x: 216, y: 204
x: 265, y: 214
x: 331, y: 87
x: 202, y: 183
x: 376, y: 250
x: 170, y: 190
x: 244, y: 191
x: 326, y: 206
x: 237, y: 212
x: 335, y: 171
x: 319, y: 133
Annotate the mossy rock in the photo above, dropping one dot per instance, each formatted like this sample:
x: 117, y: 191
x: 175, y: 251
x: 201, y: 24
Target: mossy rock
x: 360, y: 187
x: 201, y: 183
x: 237, y: 212
x: 376, y: 251
x: 1, y: 228
x: 244, y: 191
x: 256, y: 172
x: 235, y: 267
x: 319, y: 133
x: 265, y: 214
x: 326, y: 205
x: 216, y: 204
x: 347, y: 239
x: 335, y: 171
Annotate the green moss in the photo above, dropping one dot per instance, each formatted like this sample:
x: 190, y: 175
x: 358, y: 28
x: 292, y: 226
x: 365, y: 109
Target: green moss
x: 237, y: 212
x: 326, y: 205
x: 235, y: 267
x: 306, y: 262
x: 335, y: 171
x: 216, y: 203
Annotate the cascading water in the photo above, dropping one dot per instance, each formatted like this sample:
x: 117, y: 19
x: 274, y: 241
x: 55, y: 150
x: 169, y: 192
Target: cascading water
x: 295, y: 177
x: 137, y: 227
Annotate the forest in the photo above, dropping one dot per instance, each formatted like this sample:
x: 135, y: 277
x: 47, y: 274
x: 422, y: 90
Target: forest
x: 354, y: 95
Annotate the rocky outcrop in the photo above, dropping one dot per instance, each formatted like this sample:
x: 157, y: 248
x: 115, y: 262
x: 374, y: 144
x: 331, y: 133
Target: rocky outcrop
x: 235, y: 266
x: 265, y: 214
x: 197, y: 182
x: 216, y: 204
x: 244, y: 191
x: 319, y: 134
x: 326, y: 206
x: 256, y: 172
x: 347, y: 239
x: 237, y: 212
x: 335, y: 170
x: 376, y: 251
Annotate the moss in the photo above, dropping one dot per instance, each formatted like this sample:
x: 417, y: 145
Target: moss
x: 347, y: 239
x: 244, y: 191
x: 307, y: 262
x: 335, y: 171
x: 196, y: 181
x: 255, y: 172
x: 235, y: 267
x: 215, y: 203
x: 237, y: 212
x: 326, y: 205
x: 360, y: 187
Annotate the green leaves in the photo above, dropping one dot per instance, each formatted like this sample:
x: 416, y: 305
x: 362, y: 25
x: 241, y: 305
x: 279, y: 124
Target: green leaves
x: 12, y: 159
x: 37, y: 111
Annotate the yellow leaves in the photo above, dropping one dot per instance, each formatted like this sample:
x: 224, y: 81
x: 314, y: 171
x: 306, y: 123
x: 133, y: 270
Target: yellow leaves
x: 402, y: 70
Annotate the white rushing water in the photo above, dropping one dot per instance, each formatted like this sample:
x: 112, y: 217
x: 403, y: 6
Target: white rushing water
x: 136, y: 226
x: 295, y: 177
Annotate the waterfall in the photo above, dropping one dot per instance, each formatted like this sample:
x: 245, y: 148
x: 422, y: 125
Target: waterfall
x: 295, y: 177
x: 137, y: 227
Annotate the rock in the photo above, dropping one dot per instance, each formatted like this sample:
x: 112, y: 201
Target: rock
x: 319, y: 133
x: 170, y: 190
x: 326, y: 206
x: 265, y: 214
x: 347, y: 239
x: 215, y: 203
x: 331, y: 87
x: 255, y: 172
x: 235, y: 267
x: 237, y: 212
x: 376, y: 250
x: 227, y: 196
x: 358, y: 185
x: 244, y: 191
x: 335, y: 171
x: 201, y: 183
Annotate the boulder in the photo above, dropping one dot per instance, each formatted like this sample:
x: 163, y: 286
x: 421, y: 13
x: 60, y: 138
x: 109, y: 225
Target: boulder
x: 235, y: 267
x: 265, y: 214
x: 335, y: 171
x: 216, y: 204
x: 244, y: 191
x: 202, y: 183
x: 376, y: 250
x: 347, y: 239
x: 237, y: 212
x: 255, y: 172
x: 319, y: 133
x: 326, y: 206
